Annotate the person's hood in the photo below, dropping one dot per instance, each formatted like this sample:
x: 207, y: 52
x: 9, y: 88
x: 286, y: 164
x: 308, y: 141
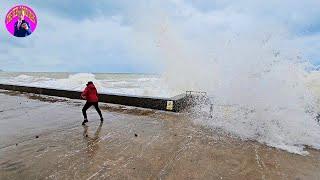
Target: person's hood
x: 91, y: 86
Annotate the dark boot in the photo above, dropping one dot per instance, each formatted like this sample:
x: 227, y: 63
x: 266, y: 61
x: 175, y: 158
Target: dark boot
x: 84, y: 122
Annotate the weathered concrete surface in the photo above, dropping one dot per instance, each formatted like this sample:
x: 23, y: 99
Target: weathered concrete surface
x: 130, y: 144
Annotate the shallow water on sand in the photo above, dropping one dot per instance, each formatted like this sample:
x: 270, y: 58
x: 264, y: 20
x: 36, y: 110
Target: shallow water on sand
x: 132, y: 143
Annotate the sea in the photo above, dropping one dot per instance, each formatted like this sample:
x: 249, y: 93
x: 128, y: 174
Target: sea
x: 116, y: 83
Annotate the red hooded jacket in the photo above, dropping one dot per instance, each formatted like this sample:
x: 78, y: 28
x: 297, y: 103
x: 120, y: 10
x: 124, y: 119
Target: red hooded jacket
x: 90, y: 93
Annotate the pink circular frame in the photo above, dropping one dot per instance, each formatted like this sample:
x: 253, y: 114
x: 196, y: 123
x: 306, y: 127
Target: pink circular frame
x: 11, y: 18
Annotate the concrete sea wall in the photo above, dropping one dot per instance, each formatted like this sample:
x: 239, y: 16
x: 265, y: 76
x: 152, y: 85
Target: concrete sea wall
x: 174, y: 104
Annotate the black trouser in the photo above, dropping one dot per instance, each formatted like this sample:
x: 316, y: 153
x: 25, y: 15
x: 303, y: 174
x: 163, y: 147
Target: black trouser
x: 87, y: 106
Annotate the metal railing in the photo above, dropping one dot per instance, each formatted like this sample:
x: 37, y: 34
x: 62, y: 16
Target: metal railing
x: 190, y: 93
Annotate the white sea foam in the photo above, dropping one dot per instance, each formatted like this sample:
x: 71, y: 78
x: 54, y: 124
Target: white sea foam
x: 147, y: 85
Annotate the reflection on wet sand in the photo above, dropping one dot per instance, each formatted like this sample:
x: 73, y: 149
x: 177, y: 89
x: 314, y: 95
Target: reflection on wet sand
x: 92, y: 141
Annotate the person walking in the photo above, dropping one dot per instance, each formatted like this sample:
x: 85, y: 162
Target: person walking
x: 91, y: 95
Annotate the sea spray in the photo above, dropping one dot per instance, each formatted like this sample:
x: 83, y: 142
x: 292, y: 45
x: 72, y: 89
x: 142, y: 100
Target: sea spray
x: 255, y: 73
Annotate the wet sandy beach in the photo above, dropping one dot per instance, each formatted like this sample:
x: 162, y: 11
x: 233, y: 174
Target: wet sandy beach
x: 42, y: 138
